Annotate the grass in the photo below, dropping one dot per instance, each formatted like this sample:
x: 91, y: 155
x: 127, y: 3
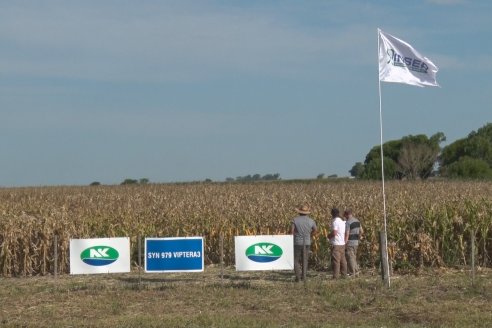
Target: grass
x: 247, y: 299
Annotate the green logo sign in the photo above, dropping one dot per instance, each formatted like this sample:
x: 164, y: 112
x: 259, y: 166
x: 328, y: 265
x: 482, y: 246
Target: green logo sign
x: 99, y: 255
x: 264, y: 252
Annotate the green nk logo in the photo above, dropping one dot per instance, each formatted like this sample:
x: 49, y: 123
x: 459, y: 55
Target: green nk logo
x: 264, y: 252
x: 99, y: 255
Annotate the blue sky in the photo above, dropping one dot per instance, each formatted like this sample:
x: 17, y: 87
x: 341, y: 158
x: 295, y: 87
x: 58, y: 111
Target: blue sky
x: 190, y: 90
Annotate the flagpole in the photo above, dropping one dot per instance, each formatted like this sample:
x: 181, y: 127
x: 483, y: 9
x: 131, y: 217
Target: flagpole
x: 404, y: 65
x: 382, y: 174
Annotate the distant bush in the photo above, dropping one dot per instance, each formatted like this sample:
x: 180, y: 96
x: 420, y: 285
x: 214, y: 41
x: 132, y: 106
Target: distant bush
x: 142, y: 181
x: 129, y: 182
x: 258, y: 177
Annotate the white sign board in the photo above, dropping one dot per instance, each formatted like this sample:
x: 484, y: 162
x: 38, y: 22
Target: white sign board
x: 99, y: 255
x: 264, y: 252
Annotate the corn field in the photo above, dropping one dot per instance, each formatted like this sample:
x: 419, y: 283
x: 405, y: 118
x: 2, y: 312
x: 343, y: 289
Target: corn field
x: 430, y: 224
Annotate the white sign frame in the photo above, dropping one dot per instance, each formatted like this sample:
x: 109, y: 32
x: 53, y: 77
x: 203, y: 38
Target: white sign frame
x: 284, y: 262
x: 120, y: 265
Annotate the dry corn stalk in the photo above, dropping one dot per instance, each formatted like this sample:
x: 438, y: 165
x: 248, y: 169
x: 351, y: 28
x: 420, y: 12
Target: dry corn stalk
x: 429, y: 223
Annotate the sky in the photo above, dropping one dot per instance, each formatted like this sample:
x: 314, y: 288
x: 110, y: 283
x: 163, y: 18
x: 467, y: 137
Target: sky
x: 183, y: 90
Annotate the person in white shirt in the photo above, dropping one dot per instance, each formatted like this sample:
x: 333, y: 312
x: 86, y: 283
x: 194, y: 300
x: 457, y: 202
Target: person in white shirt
x: 337, y: 240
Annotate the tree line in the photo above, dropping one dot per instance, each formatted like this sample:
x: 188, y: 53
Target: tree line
x: 421, y: 157
x: 255, y: 177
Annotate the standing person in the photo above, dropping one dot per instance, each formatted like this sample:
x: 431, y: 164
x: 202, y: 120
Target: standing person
x: 303, y: 227
x: 353, y: 233
x: 337, y: 239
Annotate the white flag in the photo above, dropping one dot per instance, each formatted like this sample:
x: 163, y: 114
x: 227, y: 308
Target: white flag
x: 399, y: 62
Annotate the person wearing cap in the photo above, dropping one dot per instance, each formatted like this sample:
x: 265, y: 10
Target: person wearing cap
x: 303, y: 228
x: 337, y: 240
x: 353, y: 232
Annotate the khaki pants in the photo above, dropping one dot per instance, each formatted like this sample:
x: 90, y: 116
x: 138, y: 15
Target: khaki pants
x: 338, y: 260
x: 301, y: 261
x: 351, y: 254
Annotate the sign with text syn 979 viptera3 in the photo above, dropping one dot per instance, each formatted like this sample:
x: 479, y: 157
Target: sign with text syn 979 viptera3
x: 174, y: 254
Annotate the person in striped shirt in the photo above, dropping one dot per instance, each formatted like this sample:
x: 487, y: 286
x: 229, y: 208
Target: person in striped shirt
x: 353, y: 233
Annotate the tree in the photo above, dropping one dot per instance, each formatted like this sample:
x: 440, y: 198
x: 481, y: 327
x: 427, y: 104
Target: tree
x: 416, y: 160
x: 270, y: 177
x: 320, y: 176
x: 357, y: 170
x: 418, y: 155
x: 372, y: 170
x: 129, y: 182
x: 456, y: 158
x: 95, y: 183
x: 452, y: 152
x: 410, y: 157
x: 467, y: 167
x: 258, y: 177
